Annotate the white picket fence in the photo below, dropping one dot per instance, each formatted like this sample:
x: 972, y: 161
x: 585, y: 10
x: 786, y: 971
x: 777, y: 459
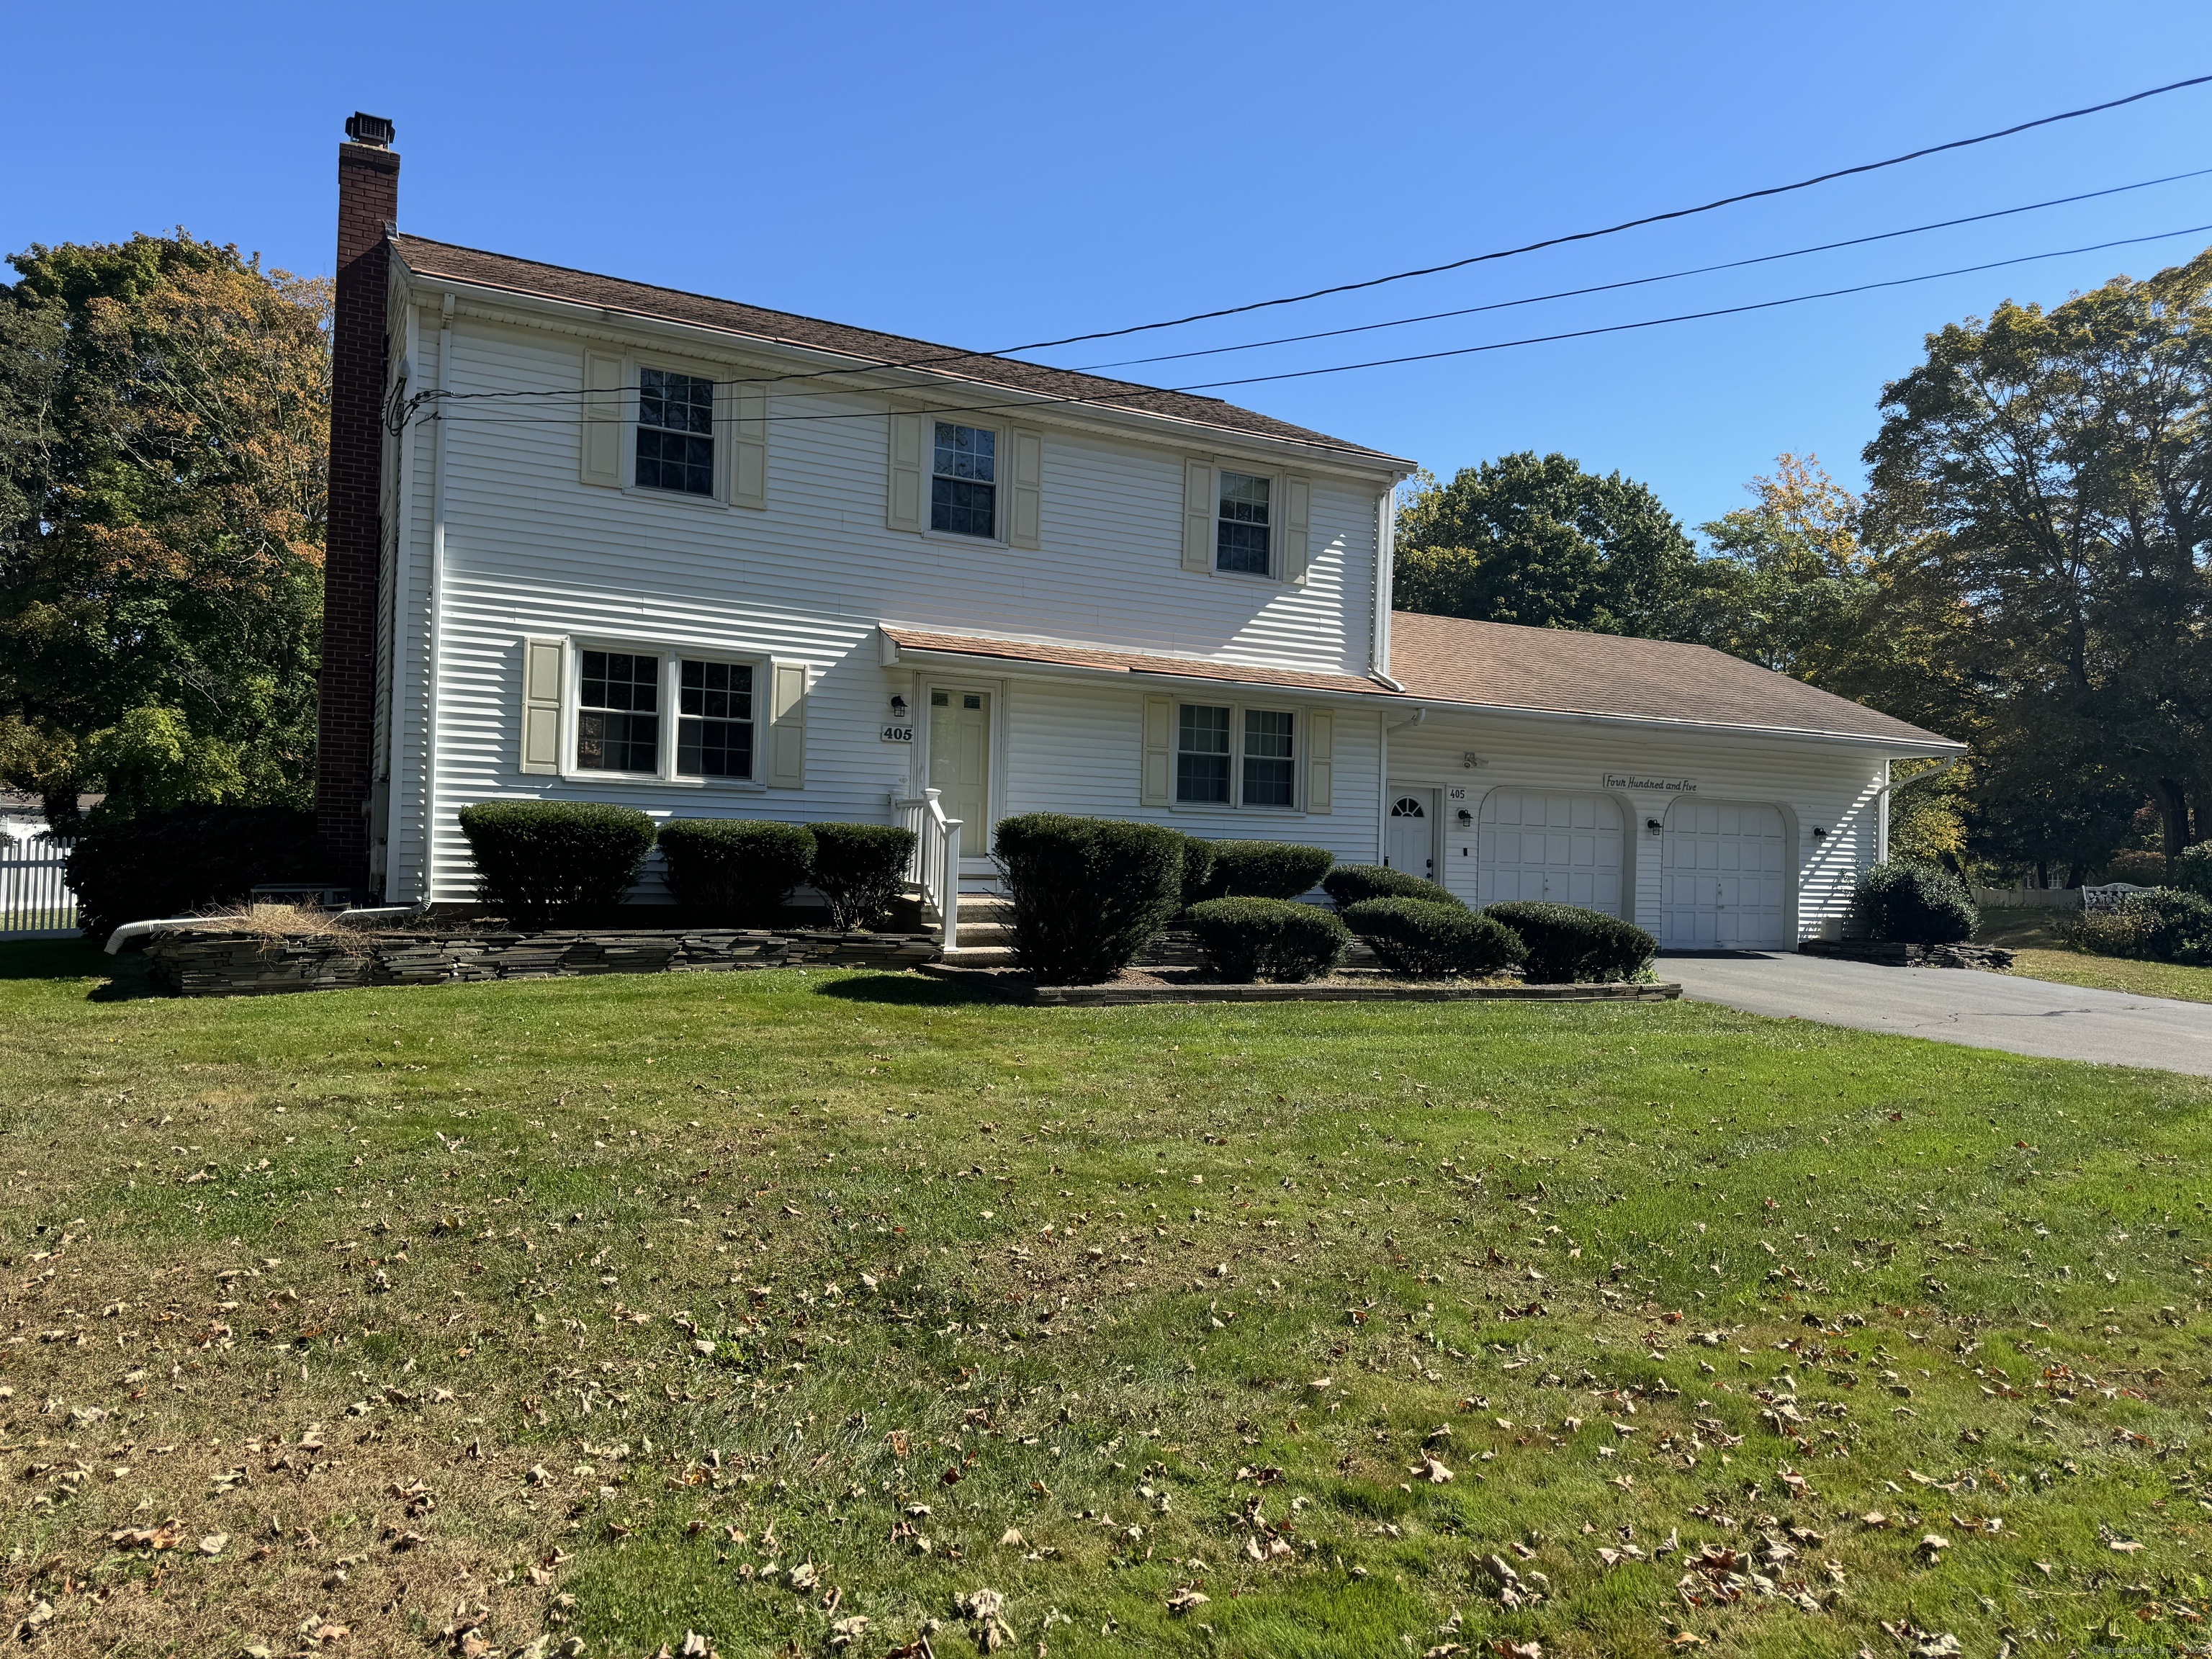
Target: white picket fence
x: 35, y: 901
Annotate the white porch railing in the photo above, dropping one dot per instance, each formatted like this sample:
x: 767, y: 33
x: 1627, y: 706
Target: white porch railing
x: 934, y: 867
x: 35, y: 900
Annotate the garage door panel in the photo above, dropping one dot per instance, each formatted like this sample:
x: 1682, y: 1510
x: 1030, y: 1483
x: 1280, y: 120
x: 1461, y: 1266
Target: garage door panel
x: 1724, y: 885
x: 1535, y: 844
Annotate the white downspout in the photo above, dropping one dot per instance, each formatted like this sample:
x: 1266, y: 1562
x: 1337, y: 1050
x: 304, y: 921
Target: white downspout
x: 434, y: 667
x: 1881, y: 800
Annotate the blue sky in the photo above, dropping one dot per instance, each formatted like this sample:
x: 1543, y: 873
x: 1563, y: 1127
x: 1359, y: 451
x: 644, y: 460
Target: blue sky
x: 990, y: 175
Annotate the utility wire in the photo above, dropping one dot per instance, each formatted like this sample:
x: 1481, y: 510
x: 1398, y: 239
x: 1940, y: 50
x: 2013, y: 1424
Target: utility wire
x: 1118, y: 399
x: 1640, y: 282
x: 948, y: 356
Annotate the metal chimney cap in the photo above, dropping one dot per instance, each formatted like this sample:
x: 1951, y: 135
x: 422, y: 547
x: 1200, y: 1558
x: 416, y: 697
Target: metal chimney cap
x: 372, y: 130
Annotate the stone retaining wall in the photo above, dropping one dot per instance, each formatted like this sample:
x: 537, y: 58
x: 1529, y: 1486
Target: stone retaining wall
x: 1994, y: 958
x: 202, y: 964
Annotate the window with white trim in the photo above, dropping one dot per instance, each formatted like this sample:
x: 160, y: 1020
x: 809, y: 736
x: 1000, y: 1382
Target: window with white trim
x: 1233, y: 755
x: 1241, y: 530
x: 1202, y: 757
x: 618, y: 713
x: 1270, y: 758
x: 713, y: 719
x: 964, y: 483
x: 675, y: 431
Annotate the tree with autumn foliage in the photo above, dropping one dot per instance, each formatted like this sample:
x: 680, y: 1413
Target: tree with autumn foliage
x: 164, y: 425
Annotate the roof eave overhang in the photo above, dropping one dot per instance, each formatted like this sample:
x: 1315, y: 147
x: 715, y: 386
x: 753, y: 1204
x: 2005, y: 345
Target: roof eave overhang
x: 1928, y: 745
x: 859, y: 375
x: 897, y: 654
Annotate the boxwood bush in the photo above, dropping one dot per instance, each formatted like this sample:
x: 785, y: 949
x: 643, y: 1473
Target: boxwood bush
x: 187, y: 859
x: 1265, y: 869
x: 1089, y: 893
x: 1569, y: 945
x: 1248, y: 939
x: 1433, y: 941
x: 556, y: 863
x: 860, y: 868
x: 2166, y: 924
x: 737, y: 871
x: 1354, y: 884
x: 1197, y: 868
x: 1914, y: 903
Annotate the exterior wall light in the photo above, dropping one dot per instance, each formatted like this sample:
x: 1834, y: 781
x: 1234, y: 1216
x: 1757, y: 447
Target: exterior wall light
x: 1652, y: 827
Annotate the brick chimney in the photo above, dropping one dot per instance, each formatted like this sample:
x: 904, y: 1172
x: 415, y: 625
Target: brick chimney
x: 368, y: 201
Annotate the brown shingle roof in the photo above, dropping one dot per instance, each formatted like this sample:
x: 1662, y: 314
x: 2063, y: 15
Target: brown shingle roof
x: 1128, y: 662
x: 1503, y: 666
x: 498, y: 271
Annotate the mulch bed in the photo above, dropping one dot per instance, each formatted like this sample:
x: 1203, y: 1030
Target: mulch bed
x: 1138, y: 986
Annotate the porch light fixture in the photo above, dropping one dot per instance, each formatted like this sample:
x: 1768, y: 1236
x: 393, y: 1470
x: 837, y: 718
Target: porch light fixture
x: 1466, y: 818
x: 898, y: 707
x: 1819, y: 834
x: 1652, y: 827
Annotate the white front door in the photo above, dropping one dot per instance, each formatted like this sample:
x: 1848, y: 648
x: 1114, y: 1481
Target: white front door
x: 960, y: 763
x: 1410, y: 842
x: 1563, y: 848
x: 1723, y: 882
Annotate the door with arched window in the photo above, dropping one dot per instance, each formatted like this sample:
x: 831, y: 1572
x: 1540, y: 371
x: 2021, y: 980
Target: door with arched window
x: 1409, y: 842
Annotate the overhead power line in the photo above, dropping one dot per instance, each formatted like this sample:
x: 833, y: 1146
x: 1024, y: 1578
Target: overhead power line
x: 947, y: 356
x: 1120, y: 399
x: 1640, y: 282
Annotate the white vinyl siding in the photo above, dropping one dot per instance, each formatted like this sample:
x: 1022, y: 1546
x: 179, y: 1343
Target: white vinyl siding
x: 532, y: 552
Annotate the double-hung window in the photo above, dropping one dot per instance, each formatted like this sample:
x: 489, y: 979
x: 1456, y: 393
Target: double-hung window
x: 1202, y: 757
x: 1241, y: 523
x: 1233, y: 755
x: 618, y: 713
x: 714, y: 719
x: 963, y: 484
x: 675, y: 431
x: 1270, y: 759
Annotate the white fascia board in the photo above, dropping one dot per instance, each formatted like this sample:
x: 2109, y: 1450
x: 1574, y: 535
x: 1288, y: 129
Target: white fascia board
x: 1651, y: 722
x: 496, y: 304
x: 901, y: 656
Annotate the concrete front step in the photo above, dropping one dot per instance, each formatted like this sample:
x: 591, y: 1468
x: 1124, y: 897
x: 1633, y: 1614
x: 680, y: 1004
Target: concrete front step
x: 980, y: 956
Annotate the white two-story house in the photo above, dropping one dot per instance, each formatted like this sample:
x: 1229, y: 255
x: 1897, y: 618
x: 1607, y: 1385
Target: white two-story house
x: 644, y: 546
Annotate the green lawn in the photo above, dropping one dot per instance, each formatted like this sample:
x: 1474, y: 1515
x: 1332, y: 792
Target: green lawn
x: 753, y: 1305
x: 2044, y: 954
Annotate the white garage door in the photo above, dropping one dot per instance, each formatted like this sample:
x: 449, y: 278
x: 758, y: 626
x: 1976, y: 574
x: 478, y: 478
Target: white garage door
x: 1723, y: 881
x: 1566, y: 849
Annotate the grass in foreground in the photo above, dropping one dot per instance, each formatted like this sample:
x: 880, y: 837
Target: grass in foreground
x: 758, y: 1305
x: 2043, y: 953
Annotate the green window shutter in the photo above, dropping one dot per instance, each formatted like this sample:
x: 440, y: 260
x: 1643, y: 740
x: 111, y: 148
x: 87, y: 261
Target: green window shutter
x: 1321, y: 760
x: 1025, y: 521
x: 1199, y: 508
x: 602, y: 420
x: 904, y: 512
x: 786, y: 743
x: 1158, y: 777
x: 747, y: 443
x: 544, y: 674
x: 1297, y: 509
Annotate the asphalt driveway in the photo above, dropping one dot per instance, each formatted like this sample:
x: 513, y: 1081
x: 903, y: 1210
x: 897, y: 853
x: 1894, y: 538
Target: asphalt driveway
x: 1987, y: 1011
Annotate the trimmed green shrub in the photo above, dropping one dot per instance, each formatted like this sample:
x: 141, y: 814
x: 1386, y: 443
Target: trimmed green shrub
x: 1265, y: 869
x: 1089, y: 893
x: 556, y: 863
x: 173, y: 863
x: 1435, y: 941
x: 1569, y: 945
x: 1355, y: 884
x: 1915, y: 904
x: 735, y: 870
x: 1197, y: 869
x: 2192, y: 870
x: 1248, y: 939
x: 860, y: 869
x: 2166, y: 924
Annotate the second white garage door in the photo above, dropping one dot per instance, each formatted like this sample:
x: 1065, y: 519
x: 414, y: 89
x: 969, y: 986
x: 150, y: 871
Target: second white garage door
x: 1563, y: 848
x: 1723, y: 881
